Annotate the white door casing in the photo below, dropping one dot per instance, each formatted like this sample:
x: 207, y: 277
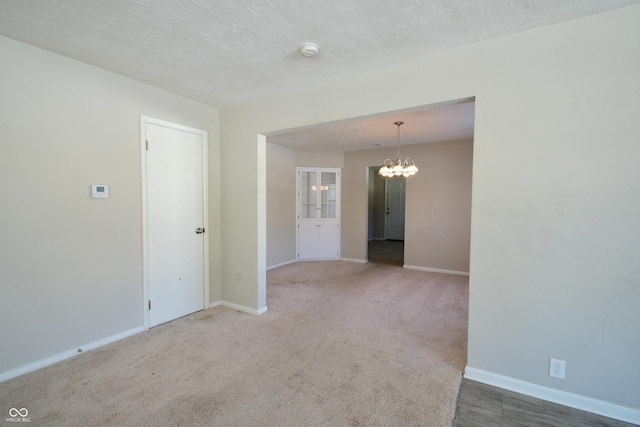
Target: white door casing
x: 174, y: 161
x: 394, y: 209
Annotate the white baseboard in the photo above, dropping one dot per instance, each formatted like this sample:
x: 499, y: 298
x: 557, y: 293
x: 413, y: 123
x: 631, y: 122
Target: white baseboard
x: 238, y: 307
x: 67, y: 354
x: 572, y: 400
x: 361, y: 261
x: 435, y: 270
x: 271, y: 267
x: 16, y: 372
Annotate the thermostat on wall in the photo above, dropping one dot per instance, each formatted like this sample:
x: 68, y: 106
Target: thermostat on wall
x: 99, y: 191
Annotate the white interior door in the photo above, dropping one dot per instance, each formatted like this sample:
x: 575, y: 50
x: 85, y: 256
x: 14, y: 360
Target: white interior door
x: 175, y: 251
x: 394, y: 218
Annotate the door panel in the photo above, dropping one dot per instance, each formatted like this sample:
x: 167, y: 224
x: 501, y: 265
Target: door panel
x: 308, y: 195
x: 307, y: 239
x: 175, y: 201
x: 328, y: 196
x: 328, y: 237
x: 395, y: 192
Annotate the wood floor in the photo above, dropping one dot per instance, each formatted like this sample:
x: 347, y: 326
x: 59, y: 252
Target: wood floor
x: 386, y: 252
x: 481, y: 405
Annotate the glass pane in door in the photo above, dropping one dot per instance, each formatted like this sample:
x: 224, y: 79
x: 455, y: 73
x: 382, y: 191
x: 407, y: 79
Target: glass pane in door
x: 308, y: 195
x: 328, y: 195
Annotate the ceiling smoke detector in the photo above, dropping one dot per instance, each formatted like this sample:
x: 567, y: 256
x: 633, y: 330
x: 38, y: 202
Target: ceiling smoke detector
x: 309, y: 50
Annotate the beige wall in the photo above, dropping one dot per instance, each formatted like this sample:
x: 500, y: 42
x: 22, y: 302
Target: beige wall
x: 319, y: 159
x: 281, y: 205
x: 554, y: 228
x: 438, y: 208
x: 71, y: 266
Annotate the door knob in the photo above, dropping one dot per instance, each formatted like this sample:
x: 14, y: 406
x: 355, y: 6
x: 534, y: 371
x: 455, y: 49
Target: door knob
x: 199, y: 230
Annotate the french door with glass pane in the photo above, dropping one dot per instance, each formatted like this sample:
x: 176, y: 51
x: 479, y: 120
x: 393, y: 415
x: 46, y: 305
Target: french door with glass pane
x: 318, y: 213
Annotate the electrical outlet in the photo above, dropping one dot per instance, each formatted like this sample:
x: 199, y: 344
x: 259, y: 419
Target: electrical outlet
x: 556, y: 368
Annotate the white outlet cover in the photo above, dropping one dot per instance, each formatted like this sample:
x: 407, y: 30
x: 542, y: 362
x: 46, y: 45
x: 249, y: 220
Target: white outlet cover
x: 557, y: 368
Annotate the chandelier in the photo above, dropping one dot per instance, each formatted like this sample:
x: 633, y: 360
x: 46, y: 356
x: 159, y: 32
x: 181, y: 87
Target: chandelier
x: 396, y: 168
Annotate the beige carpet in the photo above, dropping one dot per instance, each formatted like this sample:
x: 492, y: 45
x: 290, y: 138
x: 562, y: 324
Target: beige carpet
x: 343, y: 344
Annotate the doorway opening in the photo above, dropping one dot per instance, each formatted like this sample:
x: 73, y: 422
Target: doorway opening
x: 437, y: 203
x: 386, y: 219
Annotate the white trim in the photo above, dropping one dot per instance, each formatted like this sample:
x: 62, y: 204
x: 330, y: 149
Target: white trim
x: 271, y: 267
x: 145, y: 225
x: 144, y: 120
x: 261, y: 223
x: 4, y: 376
x: 205, y: 210
x: 572, y: 400
x: 361, y: 261
x: 238, y: 307
x: 435, y: 270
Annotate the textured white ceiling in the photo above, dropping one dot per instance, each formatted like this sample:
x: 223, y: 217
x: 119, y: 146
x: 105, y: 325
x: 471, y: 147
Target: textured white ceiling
x: 429, y: 124
x: 230, y: 52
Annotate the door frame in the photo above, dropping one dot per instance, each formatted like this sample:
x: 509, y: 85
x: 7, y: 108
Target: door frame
x: 144, y: 120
